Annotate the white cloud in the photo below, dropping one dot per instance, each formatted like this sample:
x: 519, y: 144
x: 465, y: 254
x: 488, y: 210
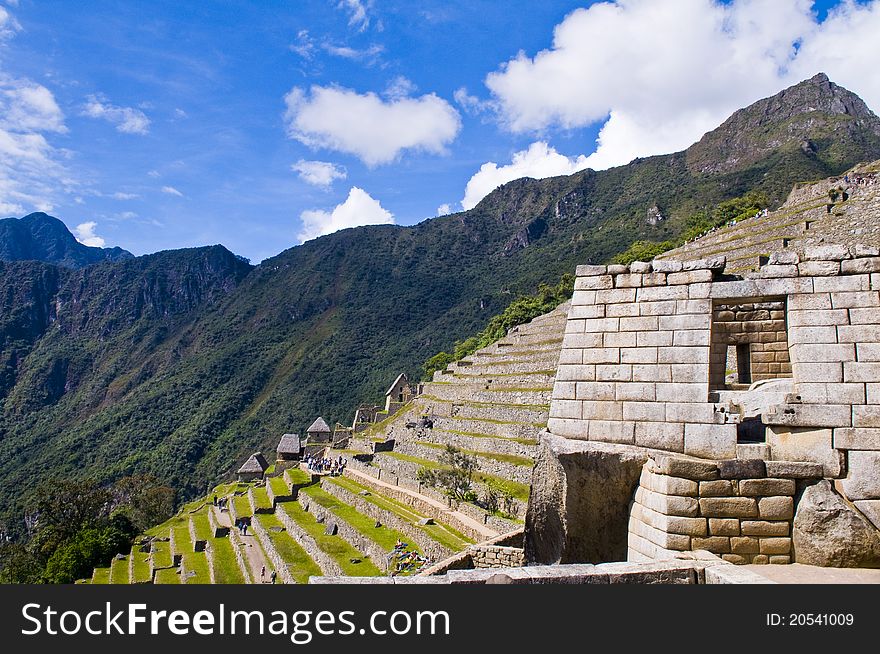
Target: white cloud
x: 444, y: 209
x: 368, y: 127
x: 119, y: 195
x: 304, y: 46
x: 27, y: 106
x: 470, y: 103
x: 154, y: 174
x: 357, y: 13
x: 8, y: 25
x: 319, y: 173
x: 85, y: 234
x: 358, y: 209
x: 400, y: 87
x: 662, y: 73
x: 538, y: 161
x: 346, y: 52
x: 170, y: 190
x: 126, y: 119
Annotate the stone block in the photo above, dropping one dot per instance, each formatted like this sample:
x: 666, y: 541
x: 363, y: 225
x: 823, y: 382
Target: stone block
x: 724, y: 527
x: 651, y: 373
x: 628, y: 281
x: 564, y: 390
x: 728, y: 507
x: 786, y: 286
x: 775, y: 545
x: 784, y: 257
x: 717, y: 488
x: 868, y: 352
x: 736, y: 559
x: 824, y: 393
x: 655, y: 293
x: 617, y: 340
x: 741, y: 468
x: 819, y: 268
x: 862, y: 481
x: 668, y: 485
x: 600, y: 410
x: 860, y: 333
x: 842, y: 283
x: 576, y: 373
x: 590, y: 270
x: 819, y: 372
x: 689, y: 373
x: 862, y: 250
x: 804, y: 445
x: 678, y: 354
x: 808, y: 415
x: 640, y: 324
x: 794, y: 470
x: 678, y: 392
x: 699, y: 337
x: 776, y: 508
x: 666, y: 265
x: 621, y: 310
x: 616, y: 295
x: 760, y: 559
x: 661, y: 308
x: 809, y: 301
x: 640, y: 267
x: 592, y: 390
x: 765, y: 528
x: 857, y: 266
x: 660, y: 436
x: 817, y: 317
x: 689, y: 277
x: 612, y: 431
x: 654, y: 279
x: 855, y: 299
x: 832, y: 252
x: 603, y: 355
x: 653, y: 339
x: 581, y: 341
x: 779, y: 559
x: 593, y: 283
x: 775, y: 271
x: 858, y: 371
x: 867, y: 416
x: 871, y: 510
x: 761, y: 487
x: 611, y: 372
x: 635, y: 391
x: 584, y: 311
x: 812, y: 335
x: 744, y: 545
x: 821, y: 352
x: 685, y: 412
x: 687, y: 468
x: 685, y: 322
x: 710, y: 441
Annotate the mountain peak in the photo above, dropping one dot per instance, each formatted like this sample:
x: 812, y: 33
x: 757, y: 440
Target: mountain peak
x: 816, y: 115
x: 41, y: 237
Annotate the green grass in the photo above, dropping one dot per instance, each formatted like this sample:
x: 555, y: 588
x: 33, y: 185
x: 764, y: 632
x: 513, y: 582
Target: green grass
x: 297, y: 476
x: 439, y: 532
x: 299, y: 563
x: 196, y: 562
x: 119, y: 572
x: 261, y: 499
x: 385, y: 537
x: 334, y: 546
x: 226, y: 570
x: 202, y: 528
x: 140, y: 567
x: 182, y: 538
x: 279, y: 486
x: 242, y: 506
x: 162, y: 554
x: 167, y: 576
x: 101, y: 576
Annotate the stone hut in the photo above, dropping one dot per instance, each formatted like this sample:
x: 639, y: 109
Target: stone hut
x: 319, y: 432
x: 398, y: 394
x: 254, y: 468
x: 653, y: 447
x: 289, y: 448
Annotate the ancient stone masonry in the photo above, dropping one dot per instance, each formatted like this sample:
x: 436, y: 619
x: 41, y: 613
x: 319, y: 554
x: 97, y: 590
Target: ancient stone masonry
x: 781, y: 364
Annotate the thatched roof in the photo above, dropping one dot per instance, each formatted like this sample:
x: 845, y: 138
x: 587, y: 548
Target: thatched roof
x: 289, y: 444
x: 319, y: 427
x: 256, y: 463
x: 401, y: 378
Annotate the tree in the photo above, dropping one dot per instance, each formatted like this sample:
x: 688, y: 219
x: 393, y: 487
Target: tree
x: 144, y: 499
x: 456, y: 477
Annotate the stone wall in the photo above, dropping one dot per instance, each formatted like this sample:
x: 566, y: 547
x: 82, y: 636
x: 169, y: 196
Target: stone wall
x: 496, y: 556
x: 636, y: 371
x: 634, y: 367
x: 269, y: 548
x: 741, y: 510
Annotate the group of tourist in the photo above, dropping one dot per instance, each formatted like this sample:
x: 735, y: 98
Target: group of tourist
x: 221, y: 502
x: 408, y: 560
x: 242, y: 525
x: 272, y: 577
x: 326, y: 464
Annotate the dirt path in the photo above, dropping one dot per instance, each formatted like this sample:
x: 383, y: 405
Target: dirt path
x: 479, y: 527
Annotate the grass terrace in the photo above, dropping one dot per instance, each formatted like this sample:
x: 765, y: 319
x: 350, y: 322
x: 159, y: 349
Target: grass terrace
x: 386, y: 538
x: 439, y: 532
x: 512, y: 459
x: 201, y: 527
x: 261, y: 499
x: 226, y: 570
x: 196, y: 562
x: 140, y: 567
x: 334, y: 546
x: 279, y: 486
x: 242, y: 506
x: 299, y: 563
x: 101, y: 576
x: 119, y: 571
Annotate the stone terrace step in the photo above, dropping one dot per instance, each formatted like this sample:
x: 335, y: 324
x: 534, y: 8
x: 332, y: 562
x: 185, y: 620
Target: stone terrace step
x: 546, y: 360
x: 465, y: 441
x: 487, y: 463
x: 464, y: 392
x: 537, y: 378
x: 488, y: 429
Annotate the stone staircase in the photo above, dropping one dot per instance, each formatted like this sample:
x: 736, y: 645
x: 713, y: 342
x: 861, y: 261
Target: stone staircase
x: 804, y: 219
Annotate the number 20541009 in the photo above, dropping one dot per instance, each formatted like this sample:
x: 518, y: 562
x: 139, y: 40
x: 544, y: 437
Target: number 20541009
x: 810, y: 619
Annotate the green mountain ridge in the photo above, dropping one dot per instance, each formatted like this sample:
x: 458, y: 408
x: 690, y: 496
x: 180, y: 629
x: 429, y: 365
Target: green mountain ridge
x: 184, y: 362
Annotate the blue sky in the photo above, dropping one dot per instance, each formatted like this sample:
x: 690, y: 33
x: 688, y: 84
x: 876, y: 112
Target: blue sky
x: 260, y: 124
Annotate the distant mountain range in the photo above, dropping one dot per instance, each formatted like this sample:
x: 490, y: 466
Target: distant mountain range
x: 40, y: 237
x: 181, y: 363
